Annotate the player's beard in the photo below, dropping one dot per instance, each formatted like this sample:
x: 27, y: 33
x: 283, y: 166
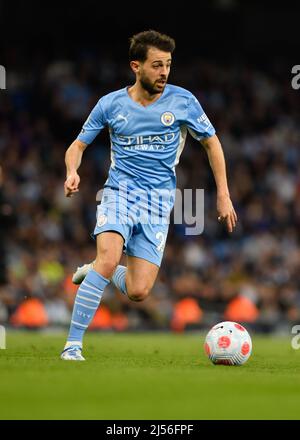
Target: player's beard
x: 152, y: 87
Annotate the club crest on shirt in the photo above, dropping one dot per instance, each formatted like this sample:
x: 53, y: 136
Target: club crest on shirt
x: 102, y: 219
x: 167, y: 118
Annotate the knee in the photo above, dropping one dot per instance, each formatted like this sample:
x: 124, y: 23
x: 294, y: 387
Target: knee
x: 106, y: 265
x: 138, y: 293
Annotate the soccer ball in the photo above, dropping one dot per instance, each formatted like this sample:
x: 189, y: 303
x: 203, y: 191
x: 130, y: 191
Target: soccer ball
x: 228, y: 343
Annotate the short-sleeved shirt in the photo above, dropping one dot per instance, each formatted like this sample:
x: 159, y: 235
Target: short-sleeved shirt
x: 146, y: 142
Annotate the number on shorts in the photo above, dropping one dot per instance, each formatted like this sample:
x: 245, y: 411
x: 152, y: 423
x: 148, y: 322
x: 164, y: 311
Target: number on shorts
x: 161, y: 237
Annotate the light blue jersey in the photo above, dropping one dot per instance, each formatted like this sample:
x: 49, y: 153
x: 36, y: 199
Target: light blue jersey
x: 146, y: 144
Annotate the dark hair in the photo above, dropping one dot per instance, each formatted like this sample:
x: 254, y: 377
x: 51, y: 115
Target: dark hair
x: 140, y: 43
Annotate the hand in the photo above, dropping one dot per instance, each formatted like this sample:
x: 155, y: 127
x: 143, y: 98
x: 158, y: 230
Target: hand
x: 71, y: 184
x: 226, y: 212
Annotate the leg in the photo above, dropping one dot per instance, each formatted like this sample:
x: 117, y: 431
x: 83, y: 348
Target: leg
x: 140, y: 278
x: 89, y: 294
x: 105, y: 251
x: 143, y: 263
x: 109, y: 252
x: 144, y: 255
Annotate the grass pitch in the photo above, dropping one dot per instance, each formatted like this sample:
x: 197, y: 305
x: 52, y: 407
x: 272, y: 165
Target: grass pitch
x: 145, y: 376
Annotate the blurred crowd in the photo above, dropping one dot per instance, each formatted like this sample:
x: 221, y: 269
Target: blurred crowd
x: 251, y: 276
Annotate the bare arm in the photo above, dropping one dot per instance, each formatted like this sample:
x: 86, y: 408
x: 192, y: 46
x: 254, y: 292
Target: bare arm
x: 73, y: 160
x: 216, y: 159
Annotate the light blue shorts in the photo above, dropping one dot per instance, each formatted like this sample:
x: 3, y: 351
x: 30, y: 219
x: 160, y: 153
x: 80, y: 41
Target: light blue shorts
x: 144, y: 235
